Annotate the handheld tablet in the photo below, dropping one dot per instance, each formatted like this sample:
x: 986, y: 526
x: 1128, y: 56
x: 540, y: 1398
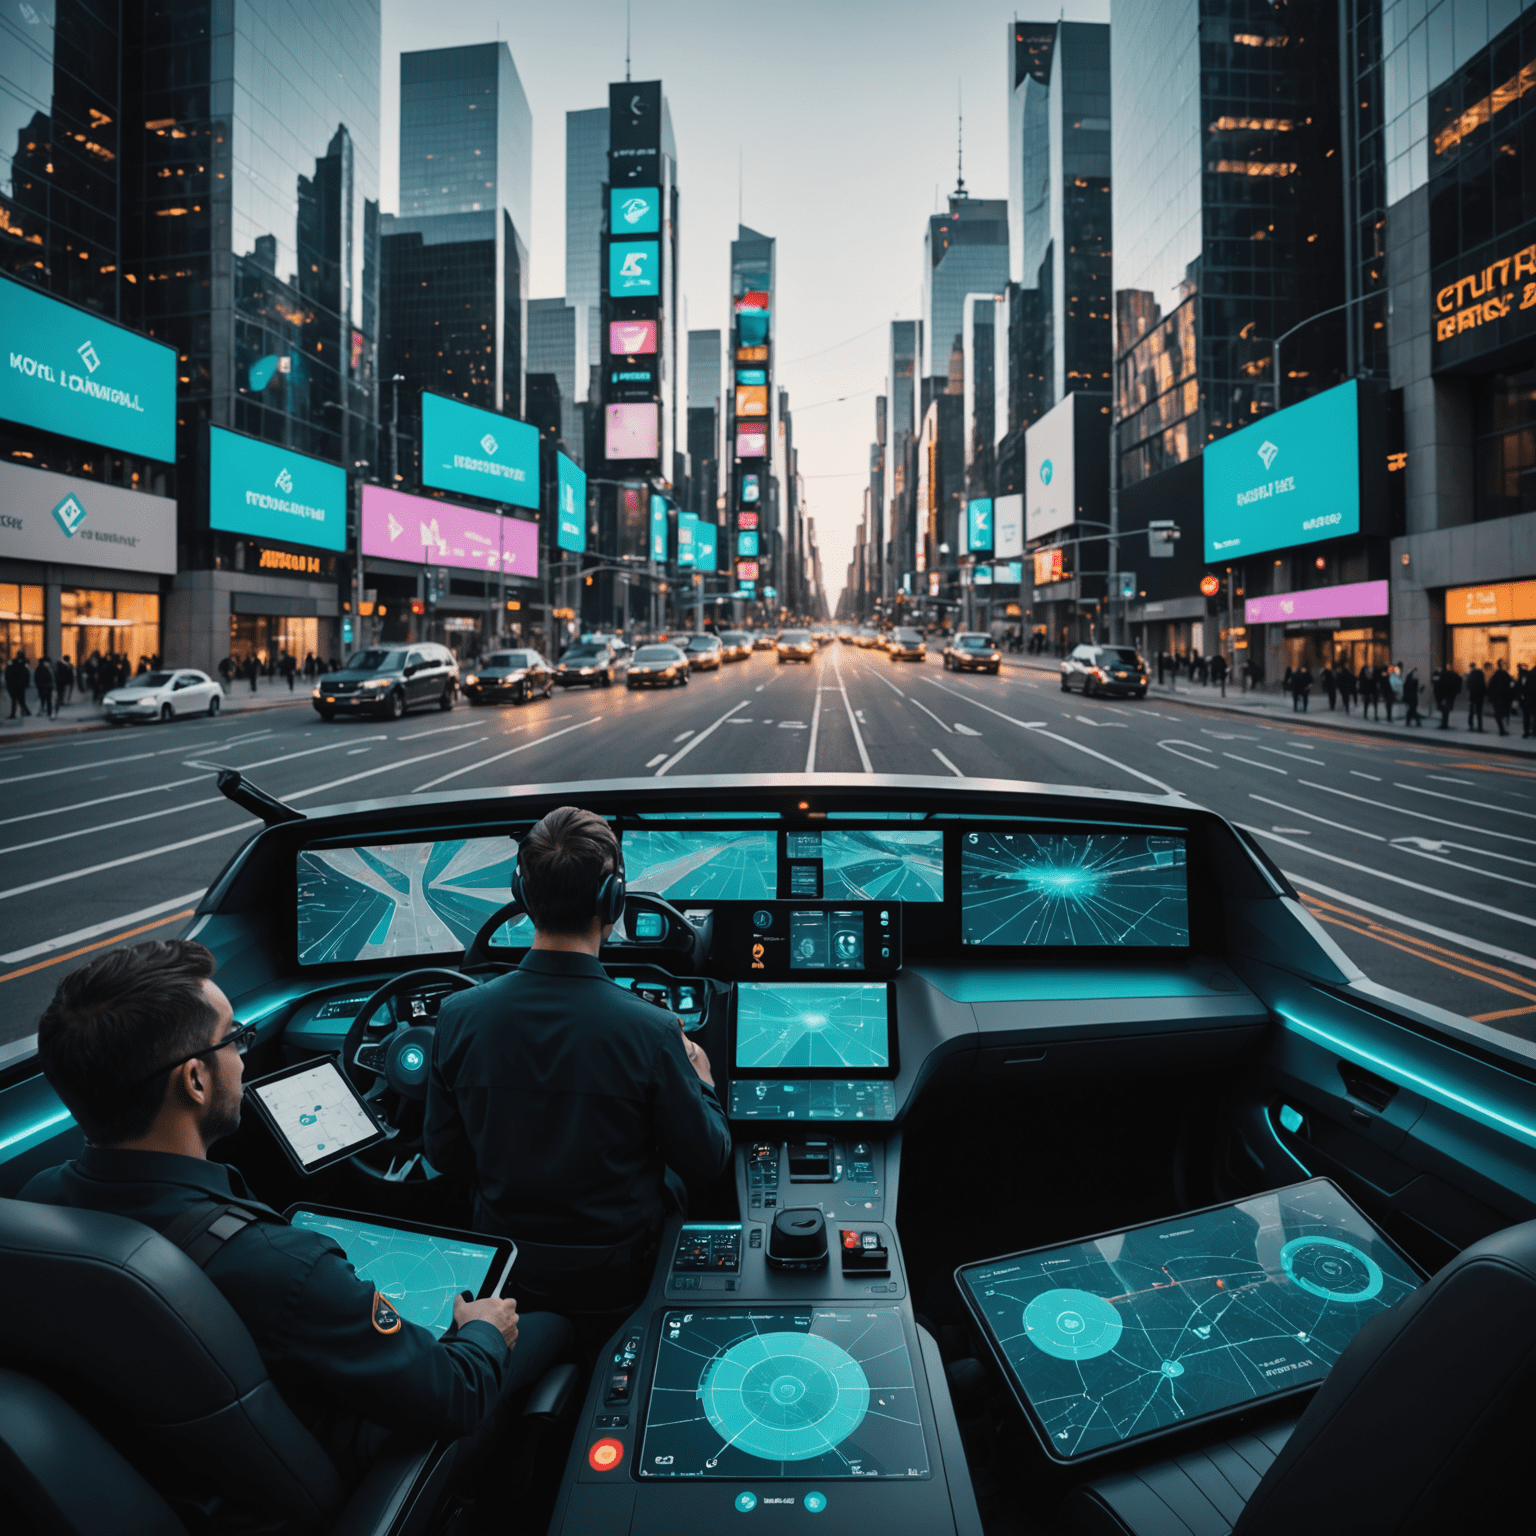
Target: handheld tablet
x: 417, y: 1269
x: 316, y: 1114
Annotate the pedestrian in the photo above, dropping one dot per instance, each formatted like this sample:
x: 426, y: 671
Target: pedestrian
x: 1501, y: 696
x: 1302, y: 681
x: 1219, y: 672
x: 17, y: 673
x: 1525, y: 690
x: 64, y: 680
x: 1392, y: 689
x: 1161, y: 661
x: 1446, y: 689
x: 1368, y: 700
x: 1346, y: 681
x: 287, y: 667
x: 1411, y: 698
x: 1477, y: 691
x: 252, y: 669
x: 226, y: 670
x: 42, y: 680
x: 1330, y: 685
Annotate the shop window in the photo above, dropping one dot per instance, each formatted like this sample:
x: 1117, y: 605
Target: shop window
x: 106, y: 623
x: 1505, y: 416
x: 267, y: 636
x: 21, y: 621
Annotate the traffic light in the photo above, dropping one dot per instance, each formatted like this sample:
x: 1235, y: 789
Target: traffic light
x: 417, y: 606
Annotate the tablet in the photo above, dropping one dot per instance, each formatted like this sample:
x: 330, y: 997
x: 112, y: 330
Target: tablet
x: 418, y: 1269
x: 318, y: 1117
x: 1122, y: 1337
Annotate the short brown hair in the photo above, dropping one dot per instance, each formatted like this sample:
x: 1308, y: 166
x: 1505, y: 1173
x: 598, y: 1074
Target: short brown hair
x: 565, y: 858
x: 113, y: 1021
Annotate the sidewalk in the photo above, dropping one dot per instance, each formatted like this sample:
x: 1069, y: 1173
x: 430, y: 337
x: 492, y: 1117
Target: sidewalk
x: 82, y: 715
x: 1277, y: 708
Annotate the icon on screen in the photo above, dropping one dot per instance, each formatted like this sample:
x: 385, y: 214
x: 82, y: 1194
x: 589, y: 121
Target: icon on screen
x: 69, y: 514
x: 284, y: 481
x: 635, y: 208
x: 88, y: 357
x: 489, y: 443
x: 1267, y: 451
x: 631, y: 267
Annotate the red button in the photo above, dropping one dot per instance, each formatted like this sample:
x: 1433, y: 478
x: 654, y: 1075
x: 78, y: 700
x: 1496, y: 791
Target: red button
x: 605, y: 1455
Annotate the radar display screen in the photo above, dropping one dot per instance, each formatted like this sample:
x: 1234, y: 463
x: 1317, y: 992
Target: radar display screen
x: 1136, y: 1333
x: 1069, y: 890
x: 701, y: 865
x: 316, y: 1113
x: 809, y: 1025
x: 379, y: 900
x: 823, y: 1392
x: 873, y: 866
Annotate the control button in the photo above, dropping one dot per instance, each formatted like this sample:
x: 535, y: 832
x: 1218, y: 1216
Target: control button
x: 621, y: 1421
x: 757, y: 1237
x: 850, y: 1238
x: 869, y: 1240
x: 605, y: 1454
x: 814, y: 1503
x: 746, y: 1502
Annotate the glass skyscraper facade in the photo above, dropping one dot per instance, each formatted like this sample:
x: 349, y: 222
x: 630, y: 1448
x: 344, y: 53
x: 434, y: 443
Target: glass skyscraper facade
x: 705, y: 358
x: 586, y: 174
x: 965, y: 250
x: 552, y: 354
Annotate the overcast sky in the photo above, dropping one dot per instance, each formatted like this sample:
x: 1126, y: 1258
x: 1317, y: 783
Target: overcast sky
x: 842, y: 114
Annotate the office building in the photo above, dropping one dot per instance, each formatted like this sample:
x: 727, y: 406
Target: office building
x: 965, y: 250
x: 552, y: 332
x: 705, y: 359
x: 760, y: 534
x: 902, y: 395
x: 586, y: 174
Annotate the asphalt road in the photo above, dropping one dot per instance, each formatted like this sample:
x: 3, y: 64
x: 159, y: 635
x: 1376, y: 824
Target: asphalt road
x: 1420, y: 861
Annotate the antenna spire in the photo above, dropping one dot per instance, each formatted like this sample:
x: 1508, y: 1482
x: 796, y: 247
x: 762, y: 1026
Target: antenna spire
x: 627, y: 4
x: 960, y: 142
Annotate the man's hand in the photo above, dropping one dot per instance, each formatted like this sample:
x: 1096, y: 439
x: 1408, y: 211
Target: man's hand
x: 696, y: 1058
x: 499, y: 1311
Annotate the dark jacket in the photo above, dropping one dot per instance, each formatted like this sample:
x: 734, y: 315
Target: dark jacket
x: 311, y: 1317
x: 1501, y: 690
x: 17, y: 675
x: 563, y: 1099
x: 1477, y: 685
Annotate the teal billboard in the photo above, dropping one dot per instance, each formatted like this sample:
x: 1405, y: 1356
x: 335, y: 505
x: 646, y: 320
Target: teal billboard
x: 687, y: 529
x: 979, y: 523
x: 634, y: 211
x: 706, y: 544
x: 1290, y: 478
x: 270, y: 492
x: 71, y: 372
x: 571, y: 506
x: 478, y: 453
x: 659, y: 528
x: 634, y: 268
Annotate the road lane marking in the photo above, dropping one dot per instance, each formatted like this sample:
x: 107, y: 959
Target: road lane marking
x: 131, y: 858
x: 947, y: 763
x: 1469, y: 869
x: 931, y: 716
x: 1293, y: 811
x: 105, y: 762
x: 1461, y: 800
x: 1439, y: 845
x: 888, y: 683
x: 370, y: 773
x: 357, y: 751
x: 683, y: 737
x: 1253, y: 762
x: 1318, y: 761
x: 83, y: 805
x: 80, y: 935
x: 1375, y: 778
x: 1103, y: 725
x: 1440, y: 778
x: 965, y: 730
x: 437, y: 730
x: 85, y: 949
x: 810, y: 756
x: 660, y: 757
x: 704, y: 735
x: 1173, y: 743
x: 112, y: 826
x: 1439, y: 821
x: 858, y: 738
x: 538, y: 741
x: 287, y: 757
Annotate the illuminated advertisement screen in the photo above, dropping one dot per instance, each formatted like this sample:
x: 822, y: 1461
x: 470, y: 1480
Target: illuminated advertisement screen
x: 1008, y: 525
x: 631, y: 338
x: 71, y: 372
x: 752, y: 328
x: 751, y: 399
x: 274, y: 493
x: 632, y: 431
x: 750, y: 489
x: 478, y: 453
x: 978, y: 519
x: 571, y: 490
x: 1050, y: 472
x: 1292, y: 478
x: 706, y: 544
x: 687, y: 527
x: 57, y: 518
x: 751, y: 375
x: 751, y: 442
x: 746, y: 543
x: 983, y: 576
x: 634, y: 268
x: 658, y: 528
x: 746, y: 520
x: 746, y: 570
x: 634, y: 211
x: 428, y: 532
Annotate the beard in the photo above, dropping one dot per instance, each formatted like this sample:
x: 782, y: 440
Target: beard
x: 223, y: 1117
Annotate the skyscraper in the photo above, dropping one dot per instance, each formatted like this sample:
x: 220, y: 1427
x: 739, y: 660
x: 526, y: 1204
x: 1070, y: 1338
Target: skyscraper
x: 964, y: 251
x: 760, y: 530
x: 586, y: 174
x: 902, y: 396
x: 704, y: 361
x: 552, y: 351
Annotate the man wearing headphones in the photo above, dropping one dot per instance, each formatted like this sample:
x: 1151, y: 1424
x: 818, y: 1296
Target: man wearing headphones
x: 564, y: 1099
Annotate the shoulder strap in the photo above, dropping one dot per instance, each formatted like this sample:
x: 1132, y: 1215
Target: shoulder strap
x: 202, y: 1229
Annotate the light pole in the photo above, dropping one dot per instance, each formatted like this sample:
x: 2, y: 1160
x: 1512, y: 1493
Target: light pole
x: 394, y: 429
x: 1322, y: 314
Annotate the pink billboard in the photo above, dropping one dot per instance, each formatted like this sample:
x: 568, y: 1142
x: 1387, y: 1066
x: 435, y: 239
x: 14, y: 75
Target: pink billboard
x: 751, y: 442
x: 633, y: 431
x: 631, y: 338
x: 424, y: 531
x: 1354, y: 600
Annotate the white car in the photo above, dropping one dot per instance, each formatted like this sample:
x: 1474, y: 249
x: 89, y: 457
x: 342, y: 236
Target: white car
x: 163, y: 695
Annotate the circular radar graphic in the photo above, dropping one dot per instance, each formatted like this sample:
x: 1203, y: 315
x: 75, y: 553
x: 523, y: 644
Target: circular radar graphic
x: 785, y: 1396
x: 1332, y: 1269
x: 1072, y: 1325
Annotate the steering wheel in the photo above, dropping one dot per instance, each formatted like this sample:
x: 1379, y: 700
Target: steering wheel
x: 403, y: 1058
x: 677, y: 933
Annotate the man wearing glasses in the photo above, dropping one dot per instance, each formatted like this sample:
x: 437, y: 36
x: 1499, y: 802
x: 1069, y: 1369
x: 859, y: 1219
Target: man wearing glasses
x: 143, y: 1049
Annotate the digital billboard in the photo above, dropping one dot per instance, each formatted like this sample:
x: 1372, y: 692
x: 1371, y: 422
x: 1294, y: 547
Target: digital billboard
x: 978, y: 523
x: 424, y: 531
x: 71, y: 372
x: 659, y: 528
x: 1291, y: 478
x: 752, y: 329
x: 751, y: 440
x: 746, y: 520
x: 706, y: 544
x: 571, y: 504
x: 634, y: 211
x: 687, y: 525
x: 478, y: 453
x: 746, y: 542
x: 982, y: 576
x: 751, y: 375
x: 634, y: 268
x: 1353, y: 600
x: 274, y: 493
x: 1050, y: 494
x: 746, y: 571
x: 64, y: 521
x: 1008, y: 525
x: 750, y: 489
x: 751, y: 399
x: 631, y: 338
x: 632, y: 431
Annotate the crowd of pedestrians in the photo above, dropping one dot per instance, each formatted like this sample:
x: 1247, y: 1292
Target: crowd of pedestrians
x: 55, y: 682
x: 282, y: 665
x: 1381, y: 689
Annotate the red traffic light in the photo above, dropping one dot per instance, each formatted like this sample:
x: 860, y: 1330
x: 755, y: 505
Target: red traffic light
x: 1210, y: 586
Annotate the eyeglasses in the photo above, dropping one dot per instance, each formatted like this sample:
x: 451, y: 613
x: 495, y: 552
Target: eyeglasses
x: 242, y: 1037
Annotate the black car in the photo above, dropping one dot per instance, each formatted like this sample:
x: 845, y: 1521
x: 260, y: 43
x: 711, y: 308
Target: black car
x: 657, y: 666
x: 972, y: 652
x: 503, y: 675
x: 1105, y: 669
x: 590, y: 666
x: 388, y: 680
x: 705, y: 653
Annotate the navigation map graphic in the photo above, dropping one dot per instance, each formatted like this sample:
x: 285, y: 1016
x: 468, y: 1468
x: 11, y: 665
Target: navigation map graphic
x: 1084, y: 888
x: 810, y: 1024
x: 316, y: 1113
x: 702, y: 865
x: 877, y: 866
x: 390, y: 899
x: 824, y: 1392
x: 418, y: 1273
x: 1121, y: 1337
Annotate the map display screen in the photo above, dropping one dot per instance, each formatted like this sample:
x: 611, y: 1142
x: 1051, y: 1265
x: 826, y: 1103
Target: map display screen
x: 1133, y: 1334
x: 842, y: 1026
x: 317, y: 1114
x: 1106, y: 889
x: 701, y: 865
x: 873, y: 866
x: 384, y: 899
x: 419, y: 1273
x: 824, y: 1392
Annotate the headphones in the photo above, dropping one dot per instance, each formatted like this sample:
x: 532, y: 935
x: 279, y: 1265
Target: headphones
x: 609, y: 904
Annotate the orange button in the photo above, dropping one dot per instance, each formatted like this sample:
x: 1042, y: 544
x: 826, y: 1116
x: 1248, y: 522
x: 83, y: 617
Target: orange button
x: 605, y: 1455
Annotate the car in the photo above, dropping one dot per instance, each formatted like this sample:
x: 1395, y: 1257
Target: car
x: 591, y: 665
x: 795, y: 645
x: 907, y: 645
x: 162, y: 695
x: 705, y: 653
x: 509, y: 677
x: 762, y: 641
x: 736, y: 644
x: 969, y: 651
x: 1100, y: 669
x: 388, y: 680
x: 657, y: 666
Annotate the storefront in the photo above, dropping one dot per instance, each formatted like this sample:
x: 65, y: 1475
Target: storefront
x: 1324, y: 626
x: 1492, y: 623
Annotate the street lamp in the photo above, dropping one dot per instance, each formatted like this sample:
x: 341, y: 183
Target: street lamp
x: 394, y: 428
x: 1322, y: 314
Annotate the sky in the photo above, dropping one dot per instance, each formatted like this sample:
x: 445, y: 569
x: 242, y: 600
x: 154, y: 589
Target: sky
x: 841, y: 116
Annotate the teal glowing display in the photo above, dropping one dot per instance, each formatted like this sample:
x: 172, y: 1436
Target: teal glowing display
x: 269, y: 492
x: 706, y: 543
x: 71, y: 372
x: 634, y: 210
x: 478, y: 453
x: 571, y: 489
x: 746, y: 543
x: 634, y: 268
x: 1291, y: 478
x: 979, y: 523
x: 687, y: 527
x: 659, y: 528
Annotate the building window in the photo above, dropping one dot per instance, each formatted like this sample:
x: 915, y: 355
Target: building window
x: 1505, y: 415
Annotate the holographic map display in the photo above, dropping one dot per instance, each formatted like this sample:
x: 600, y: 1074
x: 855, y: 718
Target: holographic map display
x: 789, y: 1025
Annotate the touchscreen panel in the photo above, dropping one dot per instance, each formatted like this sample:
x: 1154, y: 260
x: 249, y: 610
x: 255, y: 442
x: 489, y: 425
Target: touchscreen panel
x: 382, y: 899
x: 822, y: 1392
x: 316, y: 1112
x: 1128, y: 1335
x: 419, y: 1273
x: 870, y: 866
x: 792, y: 1025
x: 1071, y: 889
x: 699, y: 865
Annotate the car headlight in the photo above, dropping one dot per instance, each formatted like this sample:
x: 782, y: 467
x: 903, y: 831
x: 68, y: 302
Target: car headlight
x: 471, y: 680
x: 377, y: 682
x: 670, y: 671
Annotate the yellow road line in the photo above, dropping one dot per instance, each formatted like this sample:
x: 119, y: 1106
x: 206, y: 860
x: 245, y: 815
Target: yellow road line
x: 85, y: 949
